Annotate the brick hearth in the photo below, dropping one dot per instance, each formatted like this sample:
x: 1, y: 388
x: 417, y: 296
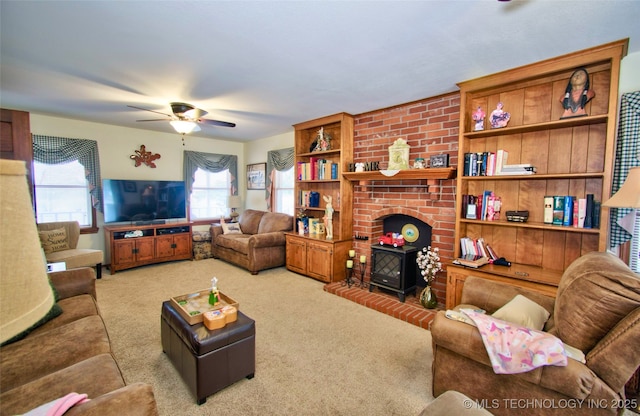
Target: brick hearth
x: 410, y: 311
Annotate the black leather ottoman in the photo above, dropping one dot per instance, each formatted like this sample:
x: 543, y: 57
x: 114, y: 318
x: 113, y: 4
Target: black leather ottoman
x: 208, y: 361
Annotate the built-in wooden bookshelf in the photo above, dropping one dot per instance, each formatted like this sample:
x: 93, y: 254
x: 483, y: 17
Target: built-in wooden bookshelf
x: 572, y: 156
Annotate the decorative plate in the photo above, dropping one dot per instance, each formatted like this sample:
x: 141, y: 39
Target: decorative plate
x: 410, y: 233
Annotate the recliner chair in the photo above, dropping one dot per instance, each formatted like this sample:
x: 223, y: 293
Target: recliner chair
x: 73, y: 257
x: 596, y: 310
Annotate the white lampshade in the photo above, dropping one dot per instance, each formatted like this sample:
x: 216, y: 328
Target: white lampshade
x: 628, y: 196
x: 234, y: 201
x: 184, y: 126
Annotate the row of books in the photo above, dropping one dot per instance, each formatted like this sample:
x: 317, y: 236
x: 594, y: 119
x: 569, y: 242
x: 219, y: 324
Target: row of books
x: 475, y: 252
x: 493, y: 164
x: 484, y: 207
x: 317, y: 169
x: 570, y: 211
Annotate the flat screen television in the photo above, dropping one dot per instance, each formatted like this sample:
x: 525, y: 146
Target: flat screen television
x: 143, y: 201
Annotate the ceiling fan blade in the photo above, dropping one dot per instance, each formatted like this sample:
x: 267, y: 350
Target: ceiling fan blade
x: 195, y: 114
x: 216, y: 123
x: 146, y: 109
x: 155, y: 119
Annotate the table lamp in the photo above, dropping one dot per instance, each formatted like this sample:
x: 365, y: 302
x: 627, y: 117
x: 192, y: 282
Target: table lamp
x: 234, y: 202
x: 628, y: 196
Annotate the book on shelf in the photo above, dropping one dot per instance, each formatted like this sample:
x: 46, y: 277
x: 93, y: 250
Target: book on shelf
x: 548, y: 210
x: 472, y: 261
x: 568, y: 210
x: 571, y: 211
x: 558, y: 210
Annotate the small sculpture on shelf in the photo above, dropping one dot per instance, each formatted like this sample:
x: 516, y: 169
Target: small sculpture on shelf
x: 478, y: 117
x: 577, y: 94
x: 322, y: 141
x: 328, y: 216
x: 360, y: 167
x: 499, y: 118
x: 399, y: 155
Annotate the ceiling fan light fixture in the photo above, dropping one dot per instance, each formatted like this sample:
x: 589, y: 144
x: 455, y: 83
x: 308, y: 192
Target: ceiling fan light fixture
x: 184, y: 126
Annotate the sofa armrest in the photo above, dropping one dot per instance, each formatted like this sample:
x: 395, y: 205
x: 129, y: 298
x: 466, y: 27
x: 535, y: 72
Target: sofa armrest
x: 491, y: 296
x: 74, y: 282
x: 216, y: 230
x: 575, y: 380
x: 272, y: 239
x: 134, y: 399
x: 615, y: 357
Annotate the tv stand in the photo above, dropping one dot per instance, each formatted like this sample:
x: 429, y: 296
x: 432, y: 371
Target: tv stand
x: 138, y: 245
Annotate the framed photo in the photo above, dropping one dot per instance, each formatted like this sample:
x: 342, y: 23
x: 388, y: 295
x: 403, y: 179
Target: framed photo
x: 439, y: 161
x: 256, y: 175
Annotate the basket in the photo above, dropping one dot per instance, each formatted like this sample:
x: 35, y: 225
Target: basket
x: 517, y: 216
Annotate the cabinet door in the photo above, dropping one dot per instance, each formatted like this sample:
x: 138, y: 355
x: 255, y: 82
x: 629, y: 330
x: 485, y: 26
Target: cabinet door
x: 296, y: 255
x: 319, y: 260
x: 124, y: 252
x: 182, y: 245
x: 164, y: 246
x: 145, y: 248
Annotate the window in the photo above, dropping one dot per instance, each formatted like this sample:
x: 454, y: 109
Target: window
x: 283, y: 190
x: 62, y: 193
x: 209, y: 194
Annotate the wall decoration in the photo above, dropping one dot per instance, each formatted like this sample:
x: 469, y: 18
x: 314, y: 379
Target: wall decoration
x: 439, y: 161
x: 256, y: 175
x: 142, y: 156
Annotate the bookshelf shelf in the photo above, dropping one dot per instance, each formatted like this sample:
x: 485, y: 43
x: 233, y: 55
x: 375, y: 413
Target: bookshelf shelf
x: 534, y: 226
x: 572, y: 156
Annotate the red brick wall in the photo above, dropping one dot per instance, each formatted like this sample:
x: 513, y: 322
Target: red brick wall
x: 430, y: 127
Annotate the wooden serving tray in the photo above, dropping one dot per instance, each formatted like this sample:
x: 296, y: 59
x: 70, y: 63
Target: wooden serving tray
x: 192, y: 306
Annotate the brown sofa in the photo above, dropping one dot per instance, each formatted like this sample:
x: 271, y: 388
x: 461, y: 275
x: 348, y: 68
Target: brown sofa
x: 259, y: 246
x: 596, y: 310
x: 53, y: 340
x: 70, y: 353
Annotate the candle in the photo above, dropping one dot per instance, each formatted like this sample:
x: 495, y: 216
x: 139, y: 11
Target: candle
x: 352, y: 253
x: 349, y: 264
x: 363, y: 259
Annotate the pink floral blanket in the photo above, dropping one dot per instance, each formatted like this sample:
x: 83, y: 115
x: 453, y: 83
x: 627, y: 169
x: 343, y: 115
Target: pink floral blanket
x: 515, y: 349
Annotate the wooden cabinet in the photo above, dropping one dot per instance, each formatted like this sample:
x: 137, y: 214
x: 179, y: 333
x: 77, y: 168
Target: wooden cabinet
x: 321, y: 259
x: 573, y: 156
x: 131, y: 246
x: 319, y: 171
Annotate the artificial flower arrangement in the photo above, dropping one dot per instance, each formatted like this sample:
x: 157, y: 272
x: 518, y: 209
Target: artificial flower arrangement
x: 429, y: 262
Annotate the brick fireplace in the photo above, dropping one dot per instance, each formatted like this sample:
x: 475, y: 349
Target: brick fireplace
x: 430, y: 127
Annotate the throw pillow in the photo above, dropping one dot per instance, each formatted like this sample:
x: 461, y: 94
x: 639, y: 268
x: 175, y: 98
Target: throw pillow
x: 231, y: 228
x: 523, y: 311
x: 54, y: 240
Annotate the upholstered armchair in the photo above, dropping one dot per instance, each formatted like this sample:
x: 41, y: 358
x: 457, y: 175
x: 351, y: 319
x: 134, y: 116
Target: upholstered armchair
x: 596, y: 310
x: 60, y: 241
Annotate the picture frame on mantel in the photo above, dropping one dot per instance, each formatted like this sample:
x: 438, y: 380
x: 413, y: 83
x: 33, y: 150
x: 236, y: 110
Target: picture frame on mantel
x: 256, y: 176
x: 439, y: 161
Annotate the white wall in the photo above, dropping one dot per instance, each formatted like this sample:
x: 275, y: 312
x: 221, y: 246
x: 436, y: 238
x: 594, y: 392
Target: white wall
x: 629, y: 70
x: 116, y: 144
x: 256, y: 152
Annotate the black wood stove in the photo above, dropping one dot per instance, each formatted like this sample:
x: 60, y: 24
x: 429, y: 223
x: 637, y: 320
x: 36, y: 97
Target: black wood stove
x: 394, y: 269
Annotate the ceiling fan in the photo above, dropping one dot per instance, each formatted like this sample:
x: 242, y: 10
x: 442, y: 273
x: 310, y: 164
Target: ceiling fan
x: 185, y: 118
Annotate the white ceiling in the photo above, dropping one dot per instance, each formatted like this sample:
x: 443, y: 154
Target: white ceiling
x: 266, y: 65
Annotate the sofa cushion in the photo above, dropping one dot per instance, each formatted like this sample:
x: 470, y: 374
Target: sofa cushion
x: 231, y: 228
x: 250, y: 221
x: 275, y: 221
x: 523, y: 311
x: 596, y: 291
x: 236, y: 242
x: 77, y: 257
x: 54, y: 240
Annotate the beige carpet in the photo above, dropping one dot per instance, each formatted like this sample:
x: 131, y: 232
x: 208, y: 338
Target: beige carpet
x: 316, y: 353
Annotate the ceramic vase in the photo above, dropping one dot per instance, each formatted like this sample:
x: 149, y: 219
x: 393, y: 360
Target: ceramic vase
x: 428, y: 298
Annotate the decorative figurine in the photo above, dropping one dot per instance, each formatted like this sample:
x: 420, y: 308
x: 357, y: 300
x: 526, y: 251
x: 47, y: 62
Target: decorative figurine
x: 328, y: 216
x: 360, y: 167
x: 399, y: 155
x: 478, y: 117
x: 577, y: 94
x: 322, y: 141
x: 499, y: 118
